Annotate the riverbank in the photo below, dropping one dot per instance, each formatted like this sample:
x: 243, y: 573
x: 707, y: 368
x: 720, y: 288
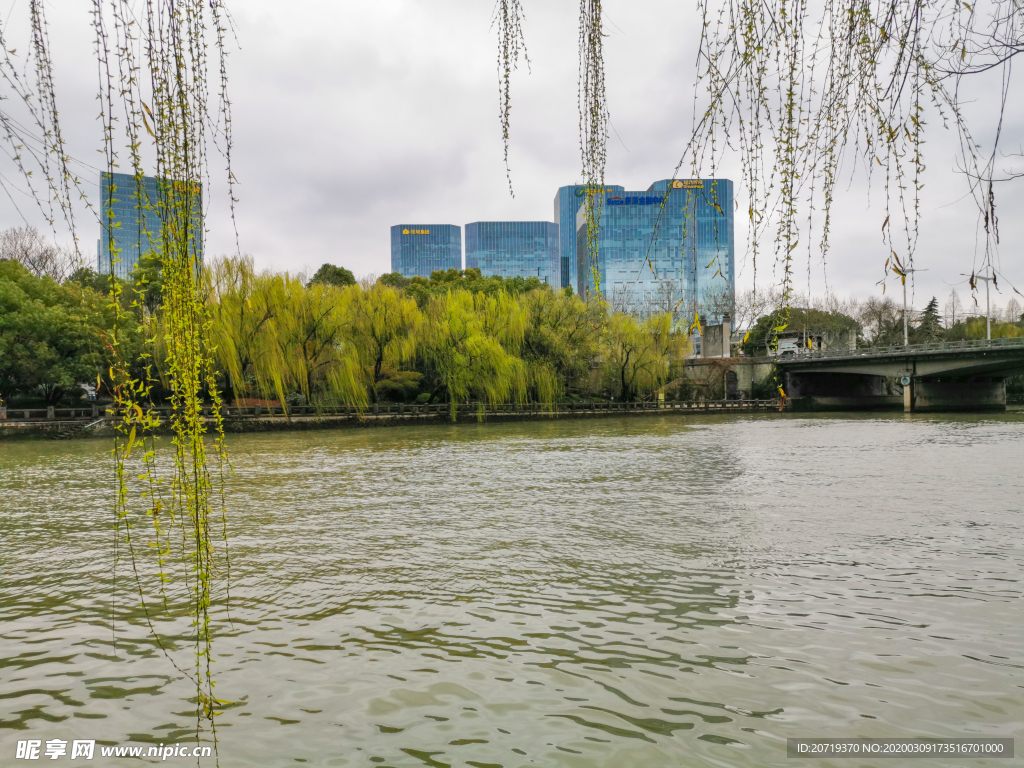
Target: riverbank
x: 46, y: 424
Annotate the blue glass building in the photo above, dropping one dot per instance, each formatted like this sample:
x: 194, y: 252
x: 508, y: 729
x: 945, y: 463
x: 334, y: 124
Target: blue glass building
x: 130, y: 215
x: 514, y: 249
x: 655, y: 257
x: 419, y: 249
x: 567, y: 202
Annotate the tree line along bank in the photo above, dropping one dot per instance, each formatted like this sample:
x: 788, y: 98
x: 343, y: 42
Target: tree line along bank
x: 454, y: 337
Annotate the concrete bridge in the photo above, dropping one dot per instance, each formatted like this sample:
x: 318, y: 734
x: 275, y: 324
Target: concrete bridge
x: 951, y: 376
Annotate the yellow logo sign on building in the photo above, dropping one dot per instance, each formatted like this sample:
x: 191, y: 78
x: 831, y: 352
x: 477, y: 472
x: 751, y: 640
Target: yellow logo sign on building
x: 415, y: 231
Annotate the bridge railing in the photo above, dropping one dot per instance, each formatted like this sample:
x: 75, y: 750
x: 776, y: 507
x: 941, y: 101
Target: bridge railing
x: 899, y: 350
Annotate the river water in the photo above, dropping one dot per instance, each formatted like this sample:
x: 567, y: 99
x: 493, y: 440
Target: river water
x: 657, y: 591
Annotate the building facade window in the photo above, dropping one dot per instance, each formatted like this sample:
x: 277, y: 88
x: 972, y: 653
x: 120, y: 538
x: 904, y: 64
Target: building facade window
x: 567, y: 203
x: 419, y: 249
x: 668, y: 248
x: 138, y: 216
x: 514, y: 249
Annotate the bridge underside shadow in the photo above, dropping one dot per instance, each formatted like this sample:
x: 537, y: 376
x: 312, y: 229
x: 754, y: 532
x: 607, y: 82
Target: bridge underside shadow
x: 820, y: 391
x: 837, y: 391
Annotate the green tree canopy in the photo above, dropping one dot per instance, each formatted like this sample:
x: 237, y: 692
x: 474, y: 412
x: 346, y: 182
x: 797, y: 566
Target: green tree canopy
x: 274, y: 336
x: 560, y: 342
x: 309, y: 352
x: 638, y: 355
x: 929, y: 326
x: 51, y: 337
x: 975, y: 328
x: 394, y: 279
x: 382, y: 327
x: 243, y: 307
x: 329, y: 274
x: 836, y: 326
x: 90, y: 278
x: 472, y: 280
x: 466, y: 345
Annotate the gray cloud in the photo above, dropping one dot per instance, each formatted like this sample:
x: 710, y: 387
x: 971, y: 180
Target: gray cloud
x: 353, y: 116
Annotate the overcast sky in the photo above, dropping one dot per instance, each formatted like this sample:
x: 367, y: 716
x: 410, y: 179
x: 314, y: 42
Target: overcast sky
x: 352, y: 116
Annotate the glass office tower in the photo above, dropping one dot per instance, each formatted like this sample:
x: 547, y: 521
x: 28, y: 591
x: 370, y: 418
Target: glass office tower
x: 514, y: 249
x: 130, y: 214
x: 652, y: 258
x: 419, y: 249
x: 567, y: 203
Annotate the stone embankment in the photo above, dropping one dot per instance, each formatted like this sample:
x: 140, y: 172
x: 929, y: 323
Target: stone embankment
x: 60, y: 423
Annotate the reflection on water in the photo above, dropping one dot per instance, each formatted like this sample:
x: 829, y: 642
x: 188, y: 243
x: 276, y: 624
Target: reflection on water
x: 637, y: 592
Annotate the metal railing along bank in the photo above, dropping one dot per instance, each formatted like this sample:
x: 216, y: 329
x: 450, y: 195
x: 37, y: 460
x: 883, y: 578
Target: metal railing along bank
x: 378, y: 410
x: 80, y: 413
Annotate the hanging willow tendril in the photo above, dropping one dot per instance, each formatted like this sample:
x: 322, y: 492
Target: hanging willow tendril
x: 796, y: 88
x: 593, y: 110
x: 37, y: 149
x: 509, y: 17
x: 154, y: 89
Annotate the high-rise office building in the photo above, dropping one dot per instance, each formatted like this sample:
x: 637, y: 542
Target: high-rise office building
x: 654, y: 258
x: 139, y: 214
x: 419, y: 249
x: 567, y: 203
x: 514, y: 249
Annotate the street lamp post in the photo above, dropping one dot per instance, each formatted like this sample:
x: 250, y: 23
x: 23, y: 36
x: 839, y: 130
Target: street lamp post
x: 988, y: 311
x: 906, y: 327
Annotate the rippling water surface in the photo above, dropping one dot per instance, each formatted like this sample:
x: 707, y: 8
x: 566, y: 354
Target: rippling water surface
x: 633, y: 592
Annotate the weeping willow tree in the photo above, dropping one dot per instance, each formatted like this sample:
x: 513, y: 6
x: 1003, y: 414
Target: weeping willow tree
x: 468, y: 342
x: 243, y: 305
x: 308, y: 349
x: 382, y: 327
x: 638, y: 354
x: 797, y: 86
x: 275, y: 335
x: 37, y: 146
x: 560, y: 342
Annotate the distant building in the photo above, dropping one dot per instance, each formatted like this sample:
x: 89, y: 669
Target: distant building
x: 419, y: 249
x: 514, y: 249
x: 567, y: 203
x: 652, y: 259
x: 133, y: 213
